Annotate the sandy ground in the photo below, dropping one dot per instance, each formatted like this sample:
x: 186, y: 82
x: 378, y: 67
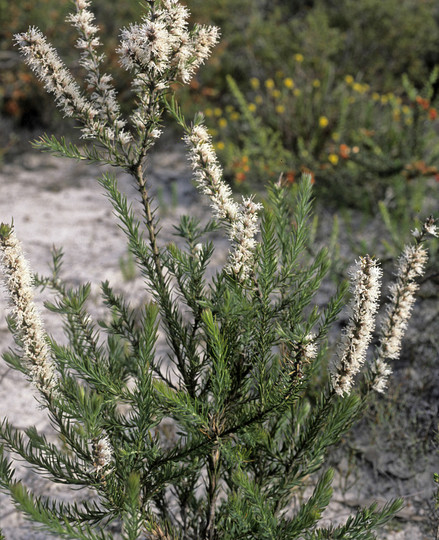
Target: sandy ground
x: 58, y: 202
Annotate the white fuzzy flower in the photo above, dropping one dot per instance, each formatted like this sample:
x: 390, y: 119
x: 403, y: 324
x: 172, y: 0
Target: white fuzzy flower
x: 103, y: 94
x: 102, y: 454
x: 310, y: 348
x: 402, y: 297
x: 243, y: 232
x: 45, y: 62
x: 430, y: 227
x: 411, y: 265
x: 365, y: 286
x: 18, y: 281
x: 146, y: 47
x: 208, y: 174
x: 241, y: 221
x: 381, y: 372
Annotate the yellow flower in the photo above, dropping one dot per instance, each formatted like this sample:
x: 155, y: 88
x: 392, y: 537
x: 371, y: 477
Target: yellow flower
x: 336, y: 136
x: 208, y: 112
x: 217, y: 111
x: 358, y: 87
x: 405, y: 109
x: 375, y: 96
x: 316, y: 83
x: 349, y: 79
x: 298, y: 57
x: 222, y: 122
x: 234, y: 116
x: 269, y: 83
x: 259, y: 99
x: 276, y: 93
x: 396, y: 115
x: 288, y: 82
x: 254, y: 83
x: 384, y: 100
x: 280, y: 109
x: 323, y: 121
x: 220, y: 145
x: 251, y: 107
x: 229, y: 108
x: 408, y: 122
x: 297, y: 92
x: 333, y: 158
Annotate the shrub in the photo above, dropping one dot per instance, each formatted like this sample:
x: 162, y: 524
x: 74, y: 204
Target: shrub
x: 249, y: 426
x: 376, y: 40
x: 341, y: 130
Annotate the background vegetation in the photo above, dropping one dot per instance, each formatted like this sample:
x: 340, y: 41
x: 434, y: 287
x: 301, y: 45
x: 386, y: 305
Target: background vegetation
x: 344, y: 89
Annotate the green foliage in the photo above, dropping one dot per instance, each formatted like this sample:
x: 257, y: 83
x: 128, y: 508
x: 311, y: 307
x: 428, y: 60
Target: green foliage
x: 127, y: 266
x: 381, y: 39
x: 232, y: 386
x: 222, y: 436
x: 380, y: 145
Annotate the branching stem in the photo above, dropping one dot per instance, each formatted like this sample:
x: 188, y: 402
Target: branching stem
x: 213, y: 471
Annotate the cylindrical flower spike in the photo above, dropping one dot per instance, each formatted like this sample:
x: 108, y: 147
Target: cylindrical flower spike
x: 241, y: 221
x: 411, y: 265
x: 103, y: 94
x: 243, y: 234
x: 402, y: 297
x: 29, y: 325
x: 365, y: 286
x: 43, y: 59
x: 102, y: 454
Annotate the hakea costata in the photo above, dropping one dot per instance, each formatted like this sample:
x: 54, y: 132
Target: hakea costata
x: 29, y: 326
x: 241, y: 220
x: 365, y: 287
x: 158, y: 51
x: 411, y: 266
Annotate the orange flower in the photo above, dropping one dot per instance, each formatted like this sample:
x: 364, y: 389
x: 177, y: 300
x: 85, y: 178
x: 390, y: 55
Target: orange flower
x: 344, y: 151
x: 290, y: 177
x: 240, y: 177
x: 420, y: 166
x: 432, y: 114
x: 416, y: 168
x: 424, y: 103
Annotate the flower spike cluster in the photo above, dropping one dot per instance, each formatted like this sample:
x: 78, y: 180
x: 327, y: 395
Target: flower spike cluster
x: 43, y: 59
x: 241, y: 221
x: 103, y: 94
x: 159, y: 50
x: 365, y: 286
x: 411, y: 265
x: 18, y: 282
x: 163, y: 45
